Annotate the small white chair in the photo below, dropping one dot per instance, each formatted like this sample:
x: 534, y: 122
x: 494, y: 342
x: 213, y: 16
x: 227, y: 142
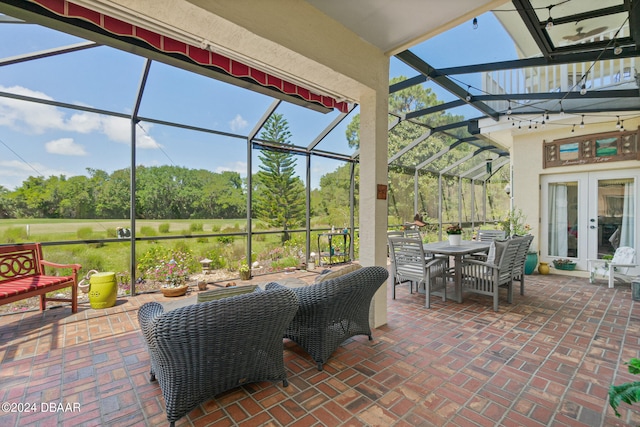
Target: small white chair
x: 617, y: 268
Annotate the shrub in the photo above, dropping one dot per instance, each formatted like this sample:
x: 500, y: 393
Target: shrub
x: 164, y: 227
x: 285, y: 262
x: 196, y: 226
x: 84, y: 233
x: 225, y: 240
x: 148, y: 231
x: 15, y: 234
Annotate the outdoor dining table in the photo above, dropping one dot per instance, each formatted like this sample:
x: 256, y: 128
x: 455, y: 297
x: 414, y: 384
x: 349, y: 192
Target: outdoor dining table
x: 466, y: 247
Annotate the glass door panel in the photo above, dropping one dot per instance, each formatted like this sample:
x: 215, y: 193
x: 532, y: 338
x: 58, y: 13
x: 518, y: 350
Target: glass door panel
x: 615, y: 214
x: 562, y: 219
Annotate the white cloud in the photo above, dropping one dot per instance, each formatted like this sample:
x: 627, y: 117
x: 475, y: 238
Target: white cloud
x: 14, y: 172
x: 238, y: 123
x: 240, y: 167
x: 66, y: 147
x: 34, y: 118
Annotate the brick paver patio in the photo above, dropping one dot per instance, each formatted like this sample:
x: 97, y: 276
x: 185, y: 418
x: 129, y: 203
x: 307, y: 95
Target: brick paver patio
x: 545, y: 360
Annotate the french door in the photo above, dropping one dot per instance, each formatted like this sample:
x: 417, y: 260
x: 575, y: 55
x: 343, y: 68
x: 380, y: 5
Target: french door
x: 587, y: 215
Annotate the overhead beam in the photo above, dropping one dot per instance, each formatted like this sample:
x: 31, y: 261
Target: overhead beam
x: 47, y: 53
x: 434, y: 109
x: 443, y: 81
x: 419, y: 79
x: 530, y: 20
x: 624, y: 93
x: 634, y: 21
x: 409, y: 147
x: 559, y: 57
x: 335, y: 122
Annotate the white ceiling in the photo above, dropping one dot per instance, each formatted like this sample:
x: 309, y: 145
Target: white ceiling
x: 394, y: 26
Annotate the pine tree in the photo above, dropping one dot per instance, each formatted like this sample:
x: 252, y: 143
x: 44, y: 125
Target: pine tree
x: 280, y: 196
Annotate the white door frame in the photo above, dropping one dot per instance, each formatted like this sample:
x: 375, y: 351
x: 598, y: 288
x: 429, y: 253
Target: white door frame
x: 587, y: 209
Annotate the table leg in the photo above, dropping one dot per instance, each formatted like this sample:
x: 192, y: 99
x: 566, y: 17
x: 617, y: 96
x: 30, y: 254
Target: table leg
x: 457, y: 272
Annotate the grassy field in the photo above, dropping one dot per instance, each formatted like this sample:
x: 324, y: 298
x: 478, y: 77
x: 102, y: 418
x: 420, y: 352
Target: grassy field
x: 226, y: 251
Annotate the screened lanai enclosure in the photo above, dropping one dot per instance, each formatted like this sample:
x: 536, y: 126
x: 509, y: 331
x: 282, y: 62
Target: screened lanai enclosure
x: 128, y: 147
x: 123, y: 160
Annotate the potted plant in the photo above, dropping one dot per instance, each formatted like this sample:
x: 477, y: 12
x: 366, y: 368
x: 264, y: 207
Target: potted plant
x: 628, y: 392
x: 515, y: 223
x: 564, y: 264
x: 245, y: 271
x: 455, y: 234
x: 174, y: 276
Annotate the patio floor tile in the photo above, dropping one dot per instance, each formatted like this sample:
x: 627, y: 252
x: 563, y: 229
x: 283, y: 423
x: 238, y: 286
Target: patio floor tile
x: 545, y: 360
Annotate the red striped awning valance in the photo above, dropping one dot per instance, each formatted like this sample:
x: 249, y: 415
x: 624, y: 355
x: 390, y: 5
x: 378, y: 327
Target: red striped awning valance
x: 197, y: 54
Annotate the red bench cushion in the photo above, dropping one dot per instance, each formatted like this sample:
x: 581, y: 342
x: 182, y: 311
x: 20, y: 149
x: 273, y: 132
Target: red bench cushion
x: 30, y: 284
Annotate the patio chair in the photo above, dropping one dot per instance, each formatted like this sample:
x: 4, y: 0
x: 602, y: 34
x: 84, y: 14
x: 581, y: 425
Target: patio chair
x: 413, y: 233
x: 487, y: 277
x: 487, y: 236
x: 332, y: 311
x: 521, y: 258
x: 491, y: 235
x: 201, y: 350
x: 411, y: 265
x: 614, y: 269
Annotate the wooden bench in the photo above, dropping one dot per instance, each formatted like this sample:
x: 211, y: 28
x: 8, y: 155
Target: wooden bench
x: 22, y: 275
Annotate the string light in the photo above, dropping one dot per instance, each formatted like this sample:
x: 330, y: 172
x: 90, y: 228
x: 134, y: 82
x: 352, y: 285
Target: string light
x: 573, y: 129
x: 617, y: 49
x: 549, y: 24
x: 582, y: 122
x: 475, y: 23
x: 468, y: 97
x: 583, y: 89
x: 509, y: 109
x: 618, y: 123
x: 561, y: 109
x: 622, y: 126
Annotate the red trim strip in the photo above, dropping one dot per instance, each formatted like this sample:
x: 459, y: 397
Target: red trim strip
x: 201, y: 56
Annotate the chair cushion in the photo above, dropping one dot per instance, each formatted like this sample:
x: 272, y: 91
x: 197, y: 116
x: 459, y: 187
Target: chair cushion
x: 226, y: 292
x: 337, y: 273
x: 495, y: 251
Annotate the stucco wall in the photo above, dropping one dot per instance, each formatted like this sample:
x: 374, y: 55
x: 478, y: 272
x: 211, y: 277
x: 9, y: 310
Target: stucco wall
x: 526, y: 159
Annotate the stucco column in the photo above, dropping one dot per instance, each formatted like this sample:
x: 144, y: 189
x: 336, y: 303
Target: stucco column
x: 373, y: 210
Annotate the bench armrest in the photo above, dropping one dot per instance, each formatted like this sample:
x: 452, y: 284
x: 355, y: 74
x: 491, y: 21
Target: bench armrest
x: 75, y: 267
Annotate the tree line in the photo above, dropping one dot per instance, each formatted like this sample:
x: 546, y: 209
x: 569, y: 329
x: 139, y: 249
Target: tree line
x: 162, y: 192
x: 172, y: 192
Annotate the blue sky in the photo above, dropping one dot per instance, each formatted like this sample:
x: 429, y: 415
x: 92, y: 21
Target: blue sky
x: 45, y: 140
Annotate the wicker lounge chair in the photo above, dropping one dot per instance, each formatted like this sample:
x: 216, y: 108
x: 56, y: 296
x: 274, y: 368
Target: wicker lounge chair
x: 204, y: 349
x: 329, y: 312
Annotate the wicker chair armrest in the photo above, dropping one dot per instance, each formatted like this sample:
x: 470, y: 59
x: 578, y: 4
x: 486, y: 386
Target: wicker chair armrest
x: 274, y: 285
x: 147, y: 315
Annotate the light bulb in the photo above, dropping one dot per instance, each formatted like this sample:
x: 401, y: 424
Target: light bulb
x: 583, y: 89
x: 573, y: 128
x: 549, y: 23
x: 582, y: 122
x: 509, y: 109
x: 617, y: 50
x: 618, y: 123
x: 475, y: 23
x: 622, y: 126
